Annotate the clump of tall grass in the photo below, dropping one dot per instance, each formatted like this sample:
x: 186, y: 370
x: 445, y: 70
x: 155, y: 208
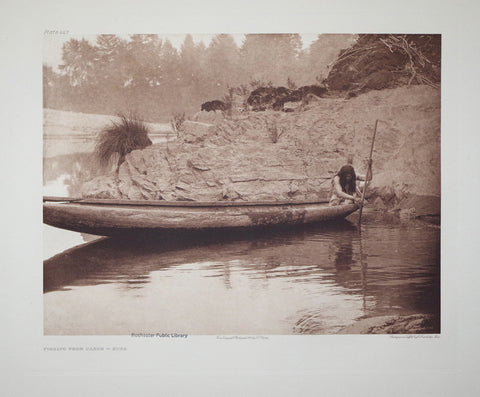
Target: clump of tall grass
x: 177, y: 123
x: 273, y: 131
x: 120, y: 138
x: 291, y: 84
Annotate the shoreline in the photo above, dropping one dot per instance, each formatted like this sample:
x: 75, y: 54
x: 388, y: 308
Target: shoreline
x: 411, y: 324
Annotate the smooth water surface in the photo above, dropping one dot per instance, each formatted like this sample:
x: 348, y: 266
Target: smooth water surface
x: 310, y: 280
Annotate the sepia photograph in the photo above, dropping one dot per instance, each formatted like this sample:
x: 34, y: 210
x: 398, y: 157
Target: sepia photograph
x: 247, y: 184
x: 239, y: 199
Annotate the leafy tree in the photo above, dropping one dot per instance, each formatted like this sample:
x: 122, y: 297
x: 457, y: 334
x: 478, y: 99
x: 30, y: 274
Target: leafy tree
x: 169, y: 65
x: 143, y: 60
x: 110, y: 61
x: 49, y: 80
x: 188, y: 61
x: 271, y: 57
x: 194, y: 77
x: 79, y: 61
x: 323, y: 52
x: 143, y: 73
x: 222, y: 63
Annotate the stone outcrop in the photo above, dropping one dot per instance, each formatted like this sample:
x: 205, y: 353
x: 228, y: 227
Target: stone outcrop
x: 413, y: 324
x: 278, y: 156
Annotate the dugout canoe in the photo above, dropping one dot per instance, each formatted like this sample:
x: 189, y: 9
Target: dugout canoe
x: 107, y: 217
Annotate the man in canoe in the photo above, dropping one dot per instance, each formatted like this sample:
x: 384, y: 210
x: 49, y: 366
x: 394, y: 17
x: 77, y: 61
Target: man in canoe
x: 345, y: 189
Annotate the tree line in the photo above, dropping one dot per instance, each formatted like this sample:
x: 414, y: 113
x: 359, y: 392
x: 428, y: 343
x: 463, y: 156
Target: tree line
x: 148, y: 76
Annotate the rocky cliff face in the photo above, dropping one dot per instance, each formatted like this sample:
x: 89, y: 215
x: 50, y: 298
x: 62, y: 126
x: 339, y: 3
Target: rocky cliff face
x: 279, y: 156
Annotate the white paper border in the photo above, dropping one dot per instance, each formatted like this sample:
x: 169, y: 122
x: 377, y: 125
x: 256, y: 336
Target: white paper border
x: 303, y: 365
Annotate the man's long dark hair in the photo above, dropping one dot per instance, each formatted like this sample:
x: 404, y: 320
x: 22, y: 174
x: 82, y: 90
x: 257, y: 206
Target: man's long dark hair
x: 348, y: 187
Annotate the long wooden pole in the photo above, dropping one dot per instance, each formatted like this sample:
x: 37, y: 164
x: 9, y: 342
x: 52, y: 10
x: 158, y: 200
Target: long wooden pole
x: 368, y: 171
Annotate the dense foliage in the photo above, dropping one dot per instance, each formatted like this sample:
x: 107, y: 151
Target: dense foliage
x: 152, y: 78
x: 147, y: 75
x: 378, y: 61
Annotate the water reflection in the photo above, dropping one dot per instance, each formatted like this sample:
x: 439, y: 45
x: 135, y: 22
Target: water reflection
x: 68, y: 161
x: 309, y: 280
x: 344, y: 254
x: 115, y: 259
x: 67, y: 173
x: 316, y: 279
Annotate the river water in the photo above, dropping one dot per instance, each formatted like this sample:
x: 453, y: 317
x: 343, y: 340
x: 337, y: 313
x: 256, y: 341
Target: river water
x: 310, y: 280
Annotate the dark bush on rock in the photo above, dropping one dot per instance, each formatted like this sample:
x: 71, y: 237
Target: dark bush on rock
x: 379, y: 61
x: 214, y: 105
x: 275, y: 97
x: 312, y: 89
x: 120, y: 138
x: 261, y: 98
